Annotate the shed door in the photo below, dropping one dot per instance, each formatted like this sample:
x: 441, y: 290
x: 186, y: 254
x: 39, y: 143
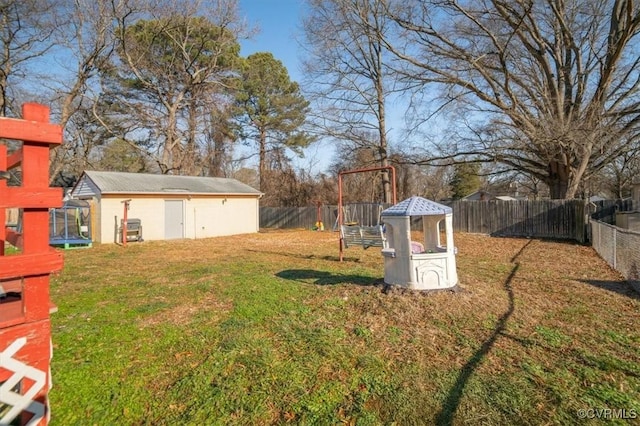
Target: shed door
x: 173, y: 219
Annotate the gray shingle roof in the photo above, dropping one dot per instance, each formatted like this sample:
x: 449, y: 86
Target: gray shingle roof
x: 417, y: 206
x: 131, y: 183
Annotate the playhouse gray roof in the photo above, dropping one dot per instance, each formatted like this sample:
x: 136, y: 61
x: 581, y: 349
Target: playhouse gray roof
x: 417, y: 206
x: 133, y: 183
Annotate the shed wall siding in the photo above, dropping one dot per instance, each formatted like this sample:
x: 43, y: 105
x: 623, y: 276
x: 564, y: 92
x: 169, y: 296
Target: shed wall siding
x: 204, y: 217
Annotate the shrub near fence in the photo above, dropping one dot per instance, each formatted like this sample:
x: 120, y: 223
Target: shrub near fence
x: 620, y: 248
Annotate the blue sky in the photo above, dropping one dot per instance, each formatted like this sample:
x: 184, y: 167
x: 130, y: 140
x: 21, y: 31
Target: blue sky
x: 278, y: 22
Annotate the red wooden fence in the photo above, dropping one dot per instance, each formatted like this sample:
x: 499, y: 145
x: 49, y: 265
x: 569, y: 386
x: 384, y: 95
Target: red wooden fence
x: 25, y: 330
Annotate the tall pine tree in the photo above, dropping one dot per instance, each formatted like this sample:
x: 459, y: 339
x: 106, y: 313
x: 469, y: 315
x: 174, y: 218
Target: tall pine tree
x: 270, y: 109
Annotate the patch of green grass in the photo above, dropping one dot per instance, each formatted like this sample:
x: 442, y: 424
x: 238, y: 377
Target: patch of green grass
x: 10, y: 250
x: 271, y: 329
x: 552, y: 336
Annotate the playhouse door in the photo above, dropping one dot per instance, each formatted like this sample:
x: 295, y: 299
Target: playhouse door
x: 173, y: 219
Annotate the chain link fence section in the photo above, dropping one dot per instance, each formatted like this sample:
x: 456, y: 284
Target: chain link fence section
x: 620, y: 248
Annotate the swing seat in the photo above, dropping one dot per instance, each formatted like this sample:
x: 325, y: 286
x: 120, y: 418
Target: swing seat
x: 365, y: 236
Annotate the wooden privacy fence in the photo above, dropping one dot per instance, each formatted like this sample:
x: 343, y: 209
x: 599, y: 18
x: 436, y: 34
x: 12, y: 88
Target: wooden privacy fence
x: 558, y: 219
x: 306, y: 217
x: 292, y: 217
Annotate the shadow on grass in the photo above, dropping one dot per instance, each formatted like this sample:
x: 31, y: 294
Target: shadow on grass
x: 624, y: 288
x: 327, y: 278
x: 331, y: 258
x: 451, y: 403
x: 561, y: 241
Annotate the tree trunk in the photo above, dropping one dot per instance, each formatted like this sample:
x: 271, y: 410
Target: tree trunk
x: 66, y: 111
x: 262, y: 166
x: 382, y: 134
x: 171, y: 153
x: 3, y: 93
x: 558, y: 181
x: 190, y: 162
x: 386, y: 179
x: 216, y: 157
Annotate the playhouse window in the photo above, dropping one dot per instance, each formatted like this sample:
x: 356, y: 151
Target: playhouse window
x: 13, y: 219
x: 11, y: 301
x: 388, y: 234
x: 442, y: 234
x: 13, y: 231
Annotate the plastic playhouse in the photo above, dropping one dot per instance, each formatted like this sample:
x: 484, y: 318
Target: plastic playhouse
x: 419, y: 265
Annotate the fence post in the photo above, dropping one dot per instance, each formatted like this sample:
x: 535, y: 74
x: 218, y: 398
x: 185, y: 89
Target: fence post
x: 25, y: 329
x: 615, y: 248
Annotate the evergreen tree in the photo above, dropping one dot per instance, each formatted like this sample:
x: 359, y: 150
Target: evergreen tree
x: 270, y: 110
x: 465, y: 180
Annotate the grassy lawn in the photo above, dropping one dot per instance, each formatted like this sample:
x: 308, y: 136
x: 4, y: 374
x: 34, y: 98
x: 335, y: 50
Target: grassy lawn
x: 270, y: 328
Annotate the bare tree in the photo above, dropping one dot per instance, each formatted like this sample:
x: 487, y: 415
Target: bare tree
x: 549, y: 88
x: 26, y: 27
x: 359, y: 187
x: 85, y: 40
x: 431, y: 182
x: 616, y: 179
x: 346, y: 69
x: 53, y: 51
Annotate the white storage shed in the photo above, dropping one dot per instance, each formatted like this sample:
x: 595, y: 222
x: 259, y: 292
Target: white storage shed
x: 168, y: 207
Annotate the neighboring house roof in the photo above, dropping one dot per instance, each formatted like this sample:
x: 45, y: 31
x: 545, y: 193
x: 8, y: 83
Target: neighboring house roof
x: 595, y: 198
x: 485, y: 196
x: 144, y: 183
x: 417, y: 206
x: 479, y: 195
